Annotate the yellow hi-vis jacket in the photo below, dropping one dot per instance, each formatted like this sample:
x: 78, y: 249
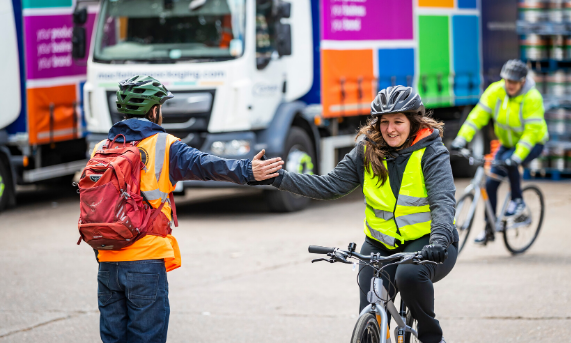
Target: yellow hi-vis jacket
x: 156, y: 187
x: 391, y: 221
x: 518, y: 121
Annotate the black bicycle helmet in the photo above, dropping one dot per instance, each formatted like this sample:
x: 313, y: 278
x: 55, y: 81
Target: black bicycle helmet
x: 397, y: 99
x: 137, y: 95
x: 514, y: 70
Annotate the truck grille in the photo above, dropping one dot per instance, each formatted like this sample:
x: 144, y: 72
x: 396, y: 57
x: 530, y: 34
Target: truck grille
x: 186, y: 116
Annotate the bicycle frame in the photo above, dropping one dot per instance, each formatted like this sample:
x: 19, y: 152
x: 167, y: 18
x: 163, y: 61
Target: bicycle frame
x: 380, y: 305
x: 478, y: 187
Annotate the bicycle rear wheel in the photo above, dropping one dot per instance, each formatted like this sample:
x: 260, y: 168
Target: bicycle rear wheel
x: 410, y: 321
x: 366, y: 330
x: 520, y: 233
x: 462, y: 213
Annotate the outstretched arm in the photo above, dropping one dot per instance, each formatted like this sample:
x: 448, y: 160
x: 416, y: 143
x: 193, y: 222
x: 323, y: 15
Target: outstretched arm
x: 339, y: 182
x: 187, y: 163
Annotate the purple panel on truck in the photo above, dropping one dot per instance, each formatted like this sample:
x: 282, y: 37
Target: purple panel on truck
x: 366, y: 20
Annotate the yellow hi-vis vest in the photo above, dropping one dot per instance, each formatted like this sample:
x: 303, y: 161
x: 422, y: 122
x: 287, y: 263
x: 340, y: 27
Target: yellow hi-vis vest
x: 391, y: 221
x: 155, y: 181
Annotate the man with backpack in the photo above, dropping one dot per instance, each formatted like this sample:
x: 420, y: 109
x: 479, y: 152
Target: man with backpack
x: 127, y: 209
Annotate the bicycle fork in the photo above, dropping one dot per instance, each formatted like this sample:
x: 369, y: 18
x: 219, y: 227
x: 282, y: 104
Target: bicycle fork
x: 380, y: 306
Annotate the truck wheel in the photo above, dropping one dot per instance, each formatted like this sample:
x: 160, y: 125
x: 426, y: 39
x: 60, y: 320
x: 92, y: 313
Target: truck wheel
x: 5, y: 186
x: 300, y: 158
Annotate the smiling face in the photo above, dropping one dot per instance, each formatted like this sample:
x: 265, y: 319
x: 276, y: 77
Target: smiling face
x: 395, y: 128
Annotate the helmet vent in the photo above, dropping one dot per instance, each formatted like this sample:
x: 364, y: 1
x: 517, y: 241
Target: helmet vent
x: 138, y: 90
x: 123, y: 96
x: 161, y: 94
x: 137, y: 101
x: 383, y: 100
x: 131, y: 107
x: 156, y: 84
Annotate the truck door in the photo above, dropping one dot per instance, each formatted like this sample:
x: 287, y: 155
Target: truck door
x: 269, y: 74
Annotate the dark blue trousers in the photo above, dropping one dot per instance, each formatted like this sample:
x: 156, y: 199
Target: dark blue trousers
x: 133, y: 301
x: 493, y: 182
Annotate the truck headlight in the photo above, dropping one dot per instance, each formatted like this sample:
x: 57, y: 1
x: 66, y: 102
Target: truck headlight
x: 230, y: 148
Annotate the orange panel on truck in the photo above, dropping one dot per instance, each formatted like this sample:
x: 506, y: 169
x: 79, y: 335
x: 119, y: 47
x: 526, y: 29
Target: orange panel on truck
x: 436, y: 3
x: 348, y: 82
x: 39, y: 100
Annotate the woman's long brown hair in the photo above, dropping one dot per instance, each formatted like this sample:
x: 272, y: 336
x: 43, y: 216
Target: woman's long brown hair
x: 377, y: 149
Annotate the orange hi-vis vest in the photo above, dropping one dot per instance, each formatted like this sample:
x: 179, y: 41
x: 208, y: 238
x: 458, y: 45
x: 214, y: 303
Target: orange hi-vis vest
x: 155, y: 187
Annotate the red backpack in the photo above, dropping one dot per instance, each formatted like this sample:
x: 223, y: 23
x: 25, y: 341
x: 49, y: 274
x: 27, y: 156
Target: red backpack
x: 113, y: 214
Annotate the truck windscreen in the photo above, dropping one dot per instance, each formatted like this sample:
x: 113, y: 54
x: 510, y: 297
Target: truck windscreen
x: 169, y: 30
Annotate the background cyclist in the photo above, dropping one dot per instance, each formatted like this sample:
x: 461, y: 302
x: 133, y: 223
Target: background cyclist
x: 407, y: 181
x: 517, y: 109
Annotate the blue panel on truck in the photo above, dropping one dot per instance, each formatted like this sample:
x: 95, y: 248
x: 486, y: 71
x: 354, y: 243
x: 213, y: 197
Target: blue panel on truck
x: 467, y: 4
x: 465, y: 38
x: 314, y: 94
x: 20, y: 124
x: 396, y: 67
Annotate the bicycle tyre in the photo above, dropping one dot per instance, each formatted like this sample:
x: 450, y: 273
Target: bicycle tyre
x: 463, y: 234
x: 410, y: 321
x: 366, y: 330
x: 510, y: 247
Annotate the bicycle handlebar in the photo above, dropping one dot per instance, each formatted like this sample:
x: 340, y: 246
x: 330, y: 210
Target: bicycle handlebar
x: 316, y: 249
x: 467, y: 154
x: 342, y: 255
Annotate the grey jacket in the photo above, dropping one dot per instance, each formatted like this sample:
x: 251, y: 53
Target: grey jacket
x: 349, y: 174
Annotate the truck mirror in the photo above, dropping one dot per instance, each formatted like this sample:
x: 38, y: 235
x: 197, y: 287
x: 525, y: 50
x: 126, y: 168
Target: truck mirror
x: 284, y: 9
x: 284, y: 39
x: 80, y: 16
x: 78, y: 42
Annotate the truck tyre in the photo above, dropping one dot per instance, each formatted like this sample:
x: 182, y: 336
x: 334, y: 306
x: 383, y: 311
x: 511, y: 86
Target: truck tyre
x: 5, y: 187
x: 299, y: 155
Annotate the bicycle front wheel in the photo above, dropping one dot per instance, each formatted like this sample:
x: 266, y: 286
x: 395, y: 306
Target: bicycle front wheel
x: 521, y: 232
x: 366, y: 330
x: 464, y: 219
x: 410, y: 321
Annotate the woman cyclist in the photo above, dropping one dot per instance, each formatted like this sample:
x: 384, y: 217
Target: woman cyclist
x: 517, y: 109
x: 407, y: 182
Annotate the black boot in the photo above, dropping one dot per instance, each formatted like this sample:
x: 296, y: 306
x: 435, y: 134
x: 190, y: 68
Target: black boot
x: 485, y: 236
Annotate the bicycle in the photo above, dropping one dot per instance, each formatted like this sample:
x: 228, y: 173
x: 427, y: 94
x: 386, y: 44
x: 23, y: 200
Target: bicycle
x: 372, y: 324
x: 516, y: 230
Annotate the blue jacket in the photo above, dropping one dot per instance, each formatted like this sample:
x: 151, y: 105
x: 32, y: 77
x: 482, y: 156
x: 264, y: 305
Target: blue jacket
x: 186, y: 163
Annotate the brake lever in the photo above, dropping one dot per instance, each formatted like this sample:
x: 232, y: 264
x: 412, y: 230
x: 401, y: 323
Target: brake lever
x: 322, y: 259
x: 425, y: 262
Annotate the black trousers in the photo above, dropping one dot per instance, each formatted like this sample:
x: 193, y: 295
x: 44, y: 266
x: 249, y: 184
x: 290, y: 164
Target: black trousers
x: 414, y: 283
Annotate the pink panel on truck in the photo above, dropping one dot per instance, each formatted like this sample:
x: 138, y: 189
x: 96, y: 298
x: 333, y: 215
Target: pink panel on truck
x: 366, y: 20
x: 53, y: 76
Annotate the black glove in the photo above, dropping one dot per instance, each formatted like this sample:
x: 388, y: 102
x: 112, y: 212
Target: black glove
x: 458, y: 144
x: 434, y: 252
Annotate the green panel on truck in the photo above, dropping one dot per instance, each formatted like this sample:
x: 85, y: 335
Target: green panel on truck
x: 434, y: 60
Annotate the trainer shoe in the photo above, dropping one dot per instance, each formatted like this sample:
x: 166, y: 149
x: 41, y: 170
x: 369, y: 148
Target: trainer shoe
x: 487, y: 235
x: 515, y: 208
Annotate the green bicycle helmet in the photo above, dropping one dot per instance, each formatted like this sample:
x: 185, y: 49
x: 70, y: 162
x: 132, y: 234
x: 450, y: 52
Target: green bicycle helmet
x: 137, y: 95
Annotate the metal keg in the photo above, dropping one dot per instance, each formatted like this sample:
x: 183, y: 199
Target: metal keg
x: 557, y: 48
x: 567, y: 11
x: 555, y: 11
x: 532, y: 11
x: 533, y: 47
x: 557, y: 83
x: 539, y: 79
x: 558, y: 157
x: 556, y: 121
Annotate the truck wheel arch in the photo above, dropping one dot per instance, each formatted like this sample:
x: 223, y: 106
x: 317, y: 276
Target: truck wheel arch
x: 5, y: 158
x: 288, y: 115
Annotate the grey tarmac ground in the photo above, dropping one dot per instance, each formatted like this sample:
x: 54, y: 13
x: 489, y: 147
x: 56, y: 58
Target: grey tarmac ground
x: 247, y: 276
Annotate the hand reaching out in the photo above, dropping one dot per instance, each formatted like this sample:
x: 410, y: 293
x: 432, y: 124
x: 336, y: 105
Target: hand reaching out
x: 265, y: 169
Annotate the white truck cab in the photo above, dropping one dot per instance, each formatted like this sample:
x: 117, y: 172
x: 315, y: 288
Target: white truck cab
x: 235, y: 67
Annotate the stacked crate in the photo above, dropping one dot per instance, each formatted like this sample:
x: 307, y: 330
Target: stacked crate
x: 545, y: 44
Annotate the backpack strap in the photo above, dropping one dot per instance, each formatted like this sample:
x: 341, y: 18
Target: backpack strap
x: 173, y: 207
